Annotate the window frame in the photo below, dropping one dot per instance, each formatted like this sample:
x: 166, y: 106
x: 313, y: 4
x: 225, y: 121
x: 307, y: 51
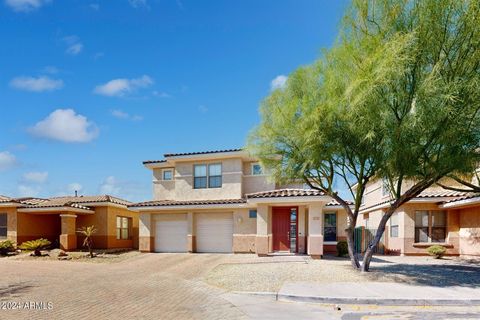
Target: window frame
x: 208, y: 177
x: 325, y: 227
x: 119, y: 230
x: 385, y: 188
x: 4, y: 226
x: 430, y: 226
x: 163, y: 174
x: 394, y: 226
x: 253, y: 171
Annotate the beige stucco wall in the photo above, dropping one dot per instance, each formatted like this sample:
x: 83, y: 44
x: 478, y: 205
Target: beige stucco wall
x: 260, y: 183
x: 469, y: 233
x: 181, y: 188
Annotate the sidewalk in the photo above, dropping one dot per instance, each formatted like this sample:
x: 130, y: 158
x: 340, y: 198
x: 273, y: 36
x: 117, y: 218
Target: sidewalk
x: 379, y: 293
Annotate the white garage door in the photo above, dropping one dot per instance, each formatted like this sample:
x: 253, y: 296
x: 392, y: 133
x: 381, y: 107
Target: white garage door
x: 171, y: 233
x: 214, y: 232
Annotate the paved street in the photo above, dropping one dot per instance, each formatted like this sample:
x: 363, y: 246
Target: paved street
x: 160, y: 286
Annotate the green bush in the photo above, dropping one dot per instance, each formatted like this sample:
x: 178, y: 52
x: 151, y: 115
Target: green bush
x: 342, y: 248
x: 35, y: 246
x: 6, y: 247
x: 436, y: 251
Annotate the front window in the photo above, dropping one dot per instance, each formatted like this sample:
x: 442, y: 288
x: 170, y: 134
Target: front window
x: 257, y: 169
x: 394, y: 225
x: 207, y: 176
x: 167, y: 175
x: 200, y: 176
x: 330, y: 227
x: 215, y: 175
x: 123, y: 228
x: 3, y: 225
x: 430, y: 226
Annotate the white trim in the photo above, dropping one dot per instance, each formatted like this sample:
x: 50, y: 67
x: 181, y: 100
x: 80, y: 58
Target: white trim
x: 102, y: 203
x: 255, y: 175
x: 54, y: 209
x: 461, y: 203
x: 433, y: 200
x: 10, y: 204
x: 330, y: 242
x: 68, y: 215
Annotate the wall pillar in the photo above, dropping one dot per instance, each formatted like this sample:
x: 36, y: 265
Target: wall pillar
x: 315, y: 230
x: 146, y: 236
x: 261, y: 240
x: 68, y: 238
x: 301, y: 230
x: 191, y: 241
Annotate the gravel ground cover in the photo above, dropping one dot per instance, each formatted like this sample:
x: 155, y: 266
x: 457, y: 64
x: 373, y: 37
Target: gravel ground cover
x: 268, y: 274
x: 101, y: 256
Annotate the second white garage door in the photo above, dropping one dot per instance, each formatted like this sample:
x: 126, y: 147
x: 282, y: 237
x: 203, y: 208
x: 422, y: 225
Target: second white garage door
x: 214, y: 232
x: 171, y: 233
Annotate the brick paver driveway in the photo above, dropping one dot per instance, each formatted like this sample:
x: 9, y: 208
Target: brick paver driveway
x: 149, y: 286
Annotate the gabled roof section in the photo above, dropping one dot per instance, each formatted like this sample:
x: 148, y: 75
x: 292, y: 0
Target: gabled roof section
x: 283, y: 193
x: 5, y: 199
x: 167, y: 155
x: 79, y: 202
x: 165, y: 203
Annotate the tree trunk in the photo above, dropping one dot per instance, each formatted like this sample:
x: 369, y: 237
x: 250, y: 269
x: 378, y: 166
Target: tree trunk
x: 351, y: 247
x: 367, y: 257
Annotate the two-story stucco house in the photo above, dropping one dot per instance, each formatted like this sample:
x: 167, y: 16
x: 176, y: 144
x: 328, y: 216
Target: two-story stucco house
x: 436, y: 216
x: 222, y: 201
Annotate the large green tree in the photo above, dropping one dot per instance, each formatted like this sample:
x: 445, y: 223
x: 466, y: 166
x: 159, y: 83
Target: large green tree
x: 396, y: 98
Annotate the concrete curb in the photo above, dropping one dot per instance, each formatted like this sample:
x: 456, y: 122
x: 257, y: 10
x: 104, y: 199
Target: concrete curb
x: 379, y: 301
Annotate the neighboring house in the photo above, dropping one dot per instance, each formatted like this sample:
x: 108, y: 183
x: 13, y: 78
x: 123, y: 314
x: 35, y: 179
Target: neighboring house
x: 58, y: 219
x: 222, y: 201
x: 436, y: 216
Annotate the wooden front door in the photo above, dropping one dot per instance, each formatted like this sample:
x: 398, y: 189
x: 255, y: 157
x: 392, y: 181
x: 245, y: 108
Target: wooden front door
x: 281, y: 229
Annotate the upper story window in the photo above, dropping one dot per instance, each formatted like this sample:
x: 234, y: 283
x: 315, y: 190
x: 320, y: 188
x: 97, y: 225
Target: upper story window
x: 167, y: 174
x: 385, y: 188
x: 257, y: 169
x: 3, y: 225
x: 207, y: 176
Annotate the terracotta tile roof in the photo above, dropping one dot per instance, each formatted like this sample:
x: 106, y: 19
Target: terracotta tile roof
x: 154, y: 161
x: 200, y: 152
x: 335, y: 203
x: 163, y: 203
x: 465, y: 197
x: 5, y: 199
x: 67, y: 201
x: 281, y: 193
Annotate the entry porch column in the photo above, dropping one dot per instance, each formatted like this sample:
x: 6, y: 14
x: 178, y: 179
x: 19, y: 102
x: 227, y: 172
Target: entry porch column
x: 315, y: 230
x: 68, y: 238
x: 261, y: 240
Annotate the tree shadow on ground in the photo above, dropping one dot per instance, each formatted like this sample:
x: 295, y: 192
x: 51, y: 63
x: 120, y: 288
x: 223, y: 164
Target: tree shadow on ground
x: 14, y: 290
x: 346, y: 258
x: 437, y: 275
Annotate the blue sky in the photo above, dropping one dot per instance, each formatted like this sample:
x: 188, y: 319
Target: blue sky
x: 88, y: 90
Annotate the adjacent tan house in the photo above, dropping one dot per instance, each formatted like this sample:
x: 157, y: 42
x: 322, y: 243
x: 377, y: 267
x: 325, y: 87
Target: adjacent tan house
x: 222, y: 201
x: 58, y: 219
x: 436, y: 216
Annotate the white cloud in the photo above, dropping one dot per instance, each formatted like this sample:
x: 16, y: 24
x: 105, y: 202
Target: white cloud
x: 74, y: 46
x: 139, y: 3
x: 35, y: 177
x: 123, y: 115
x: 161, y: 94
x: 121, y: 87
x: 7, y: 160
x: 110, y: 186
x: 39, y: 84
x: 25, y: 5
x: 65, y: 125
x: 279, y: 82
x: 28, y: 191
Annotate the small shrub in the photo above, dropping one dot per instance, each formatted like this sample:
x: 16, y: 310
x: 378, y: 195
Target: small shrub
x: 342, y: 248
x: 6, y: 247
x: 436, y: 251
x: 35, y: 246
x: 88, y: 233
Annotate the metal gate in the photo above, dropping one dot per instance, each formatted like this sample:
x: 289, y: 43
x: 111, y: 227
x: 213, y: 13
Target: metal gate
x: 362, y: 238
